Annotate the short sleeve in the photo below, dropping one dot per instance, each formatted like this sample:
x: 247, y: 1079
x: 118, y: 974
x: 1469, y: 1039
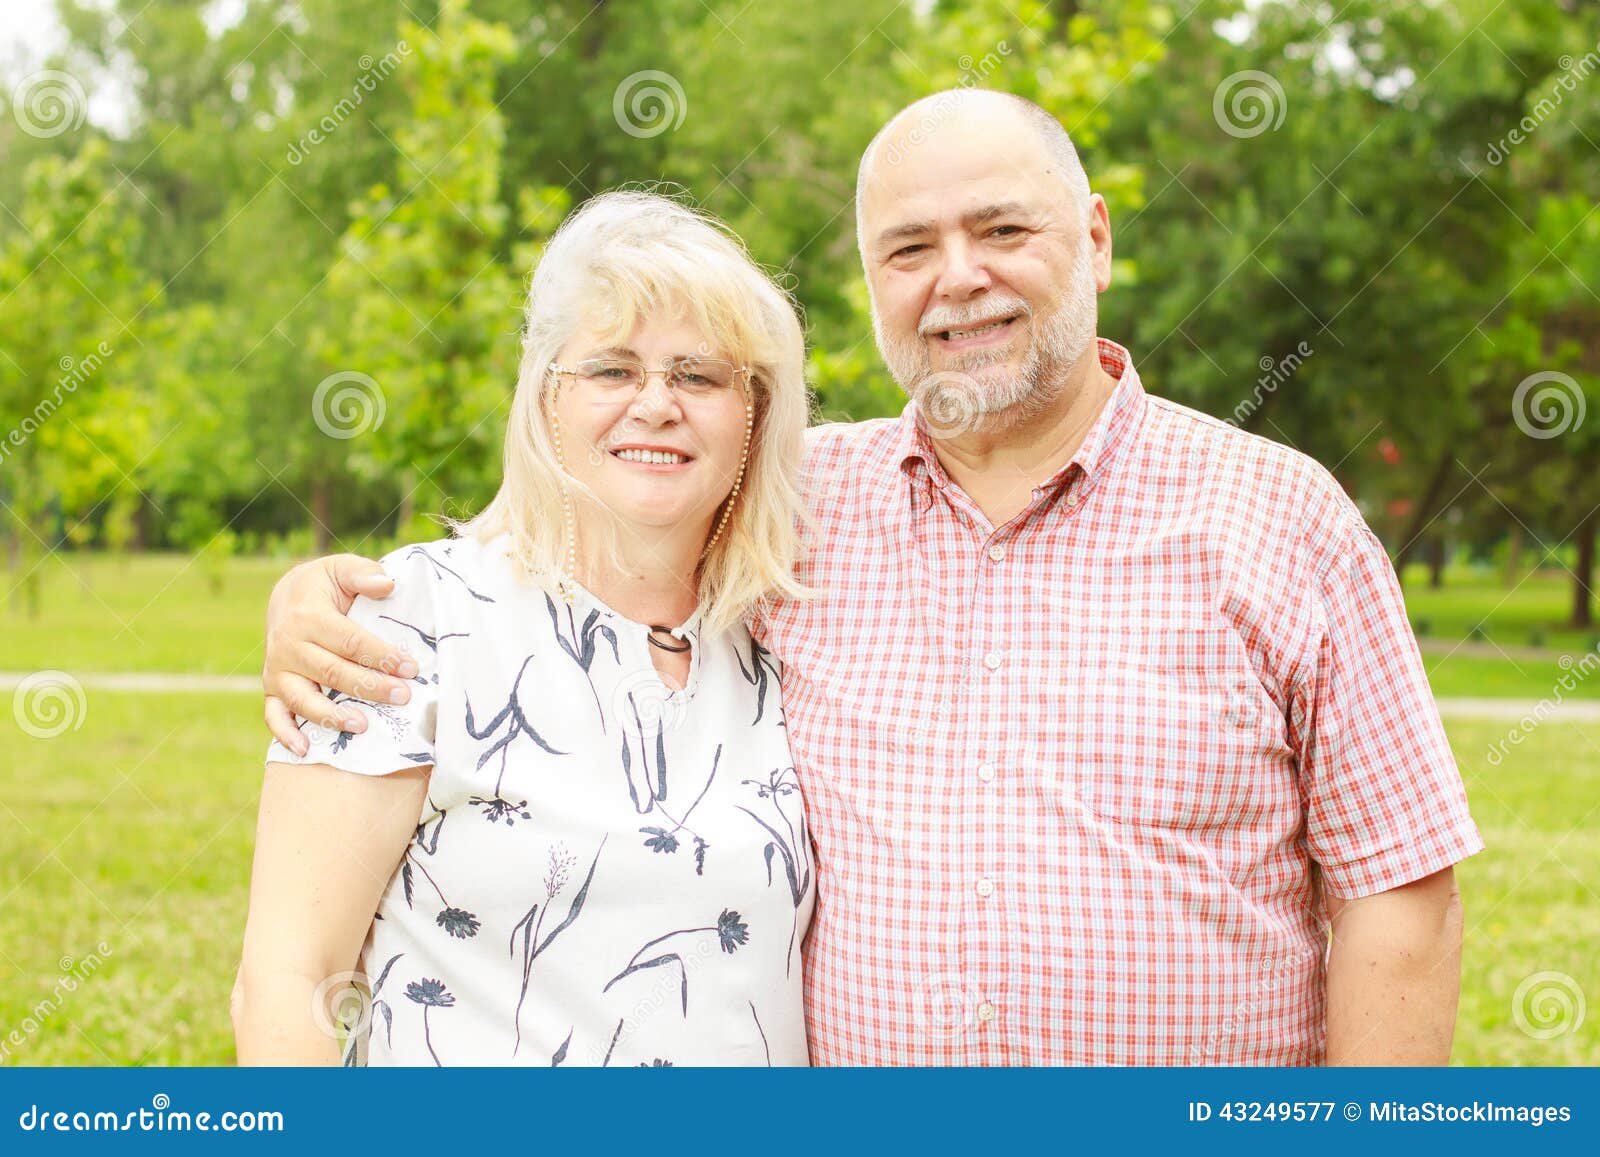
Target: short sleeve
x: 397, y: 737
x: 1385, y: 804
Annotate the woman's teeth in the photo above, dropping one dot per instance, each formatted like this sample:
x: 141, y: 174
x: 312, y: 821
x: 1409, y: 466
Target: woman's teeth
x: 653, y: 457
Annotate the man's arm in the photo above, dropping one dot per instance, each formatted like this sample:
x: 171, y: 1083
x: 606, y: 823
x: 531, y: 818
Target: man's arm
x: 311, y: 641
x: 1394, y: 974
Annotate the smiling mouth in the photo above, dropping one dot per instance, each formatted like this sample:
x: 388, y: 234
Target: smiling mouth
x: 651, y: 457
x: 949, y: 335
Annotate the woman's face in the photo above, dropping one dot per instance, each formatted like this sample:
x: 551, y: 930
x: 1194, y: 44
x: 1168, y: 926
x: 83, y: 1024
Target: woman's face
x: 662, y: 458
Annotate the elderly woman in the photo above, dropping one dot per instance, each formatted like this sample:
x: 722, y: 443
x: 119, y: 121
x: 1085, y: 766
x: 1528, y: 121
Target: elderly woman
x: 579, y: 840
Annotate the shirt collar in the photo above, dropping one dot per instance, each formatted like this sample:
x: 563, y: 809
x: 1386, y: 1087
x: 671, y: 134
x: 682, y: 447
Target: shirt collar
x: 1102, y: 446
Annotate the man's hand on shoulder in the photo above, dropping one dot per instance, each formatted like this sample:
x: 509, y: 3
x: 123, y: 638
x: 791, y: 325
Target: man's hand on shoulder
x: 311, y: 641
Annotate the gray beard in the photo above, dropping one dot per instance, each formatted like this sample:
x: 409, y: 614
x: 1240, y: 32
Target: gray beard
x: 961, y: 397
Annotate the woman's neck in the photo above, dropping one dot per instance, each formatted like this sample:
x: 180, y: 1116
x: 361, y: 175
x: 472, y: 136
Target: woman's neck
x: 655, y: 582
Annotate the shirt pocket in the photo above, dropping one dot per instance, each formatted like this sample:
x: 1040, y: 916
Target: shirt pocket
x: 1173, y: 730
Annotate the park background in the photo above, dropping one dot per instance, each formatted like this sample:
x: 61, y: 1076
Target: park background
x: 260, y: 269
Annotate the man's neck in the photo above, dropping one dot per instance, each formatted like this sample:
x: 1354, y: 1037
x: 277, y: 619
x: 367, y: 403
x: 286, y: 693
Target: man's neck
x: 998, y: 468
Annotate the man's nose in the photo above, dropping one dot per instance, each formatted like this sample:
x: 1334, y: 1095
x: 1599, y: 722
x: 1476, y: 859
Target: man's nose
x: 963, y: 272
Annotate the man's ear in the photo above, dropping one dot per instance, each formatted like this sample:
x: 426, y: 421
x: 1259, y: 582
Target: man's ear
x: 1100, y: 237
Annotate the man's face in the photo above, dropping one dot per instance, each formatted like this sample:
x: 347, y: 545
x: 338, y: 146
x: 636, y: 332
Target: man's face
x: 982, y: 267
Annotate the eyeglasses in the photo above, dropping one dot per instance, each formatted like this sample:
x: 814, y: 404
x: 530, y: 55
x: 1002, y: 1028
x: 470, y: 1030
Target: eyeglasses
x: 621, y: 379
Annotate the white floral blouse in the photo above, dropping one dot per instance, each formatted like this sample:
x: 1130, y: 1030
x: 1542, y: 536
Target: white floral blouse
x: 605, y: 872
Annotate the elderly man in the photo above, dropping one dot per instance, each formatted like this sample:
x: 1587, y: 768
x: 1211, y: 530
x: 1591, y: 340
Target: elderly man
x: 1107, y: 713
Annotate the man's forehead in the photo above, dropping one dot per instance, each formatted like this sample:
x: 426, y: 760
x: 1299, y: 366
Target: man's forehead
x: 947, y: 197
x: 944, y: 159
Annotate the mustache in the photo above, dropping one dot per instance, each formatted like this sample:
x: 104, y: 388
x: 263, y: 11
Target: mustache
x: 945, y: 317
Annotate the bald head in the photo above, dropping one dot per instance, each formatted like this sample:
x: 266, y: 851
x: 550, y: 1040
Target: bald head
x: 919, y: 123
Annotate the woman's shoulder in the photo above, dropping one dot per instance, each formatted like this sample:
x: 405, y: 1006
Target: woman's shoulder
x: 465, y: 565
x: 449, y: 581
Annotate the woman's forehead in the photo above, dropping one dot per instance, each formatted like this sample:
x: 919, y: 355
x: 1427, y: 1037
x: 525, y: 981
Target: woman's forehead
x: 654, y: 329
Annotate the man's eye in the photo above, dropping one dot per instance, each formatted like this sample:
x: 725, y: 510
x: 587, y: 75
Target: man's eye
x: 1005, y: 231
x: 907, y: 250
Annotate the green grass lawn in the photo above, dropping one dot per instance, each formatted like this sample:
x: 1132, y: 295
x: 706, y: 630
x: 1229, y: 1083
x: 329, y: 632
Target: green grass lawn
x: 135, y: 831
x: 1494, y: 626
x: 1534, y: 611
x: 153, y: 612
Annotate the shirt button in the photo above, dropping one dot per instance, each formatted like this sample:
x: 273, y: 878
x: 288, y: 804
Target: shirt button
x: 997, y: 553
x: 1072, y: 498
x: 992, y: 661
x: 986, y: 772
x: 986, y: 1012
x: 986, y: 887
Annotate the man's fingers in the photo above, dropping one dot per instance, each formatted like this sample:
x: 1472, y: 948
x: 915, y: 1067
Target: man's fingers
x: 306, y: 700
x: 337, y: 673
x: 281, y: 722
x: 365, y: 649
x: 355, y: 575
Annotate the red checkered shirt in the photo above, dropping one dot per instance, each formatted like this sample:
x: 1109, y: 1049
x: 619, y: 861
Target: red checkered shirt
x: 1070, y: 779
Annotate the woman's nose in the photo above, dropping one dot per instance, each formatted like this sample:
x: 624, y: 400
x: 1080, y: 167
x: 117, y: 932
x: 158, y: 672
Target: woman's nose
x: 656, y: 401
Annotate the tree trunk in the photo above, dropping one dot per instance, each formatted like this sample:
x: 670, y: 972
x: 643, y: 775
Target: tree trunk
x: 140, y: 541
x: 1582, y: 594
x: 1424, y: 512
x: 1436, y: 559
x: 321, y: 514
x: 1513, y: 569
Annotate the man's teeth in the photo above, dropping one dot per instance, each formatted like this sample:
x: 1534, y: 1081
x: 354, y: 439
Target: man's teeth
x: 653, y: 457
x: 957, y: 334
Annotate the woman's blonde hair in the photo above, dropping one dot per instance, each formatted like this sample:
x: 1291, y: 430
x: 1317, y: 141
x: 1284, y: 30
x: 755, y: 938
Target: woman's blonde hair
x: 620, y: 258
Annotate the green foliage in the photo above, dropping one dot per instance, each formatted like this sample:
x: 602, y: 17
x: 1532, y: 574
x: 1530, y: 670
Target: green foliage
x: 419, y: 300
x: 359, y: 187
x: 73, y: 421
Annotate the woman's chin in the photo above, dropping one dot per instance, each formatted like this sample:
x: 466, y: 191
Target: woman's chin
x: 654, y: 514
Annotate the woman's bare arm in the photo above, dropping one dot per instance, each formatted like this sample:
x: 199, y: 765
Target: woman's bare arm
x: 327, y: 844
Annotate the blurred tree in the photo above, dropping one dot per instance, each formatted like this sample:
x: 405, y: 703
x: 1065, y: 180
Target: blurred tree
x: 420, y: 310
x: 71, y: 300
